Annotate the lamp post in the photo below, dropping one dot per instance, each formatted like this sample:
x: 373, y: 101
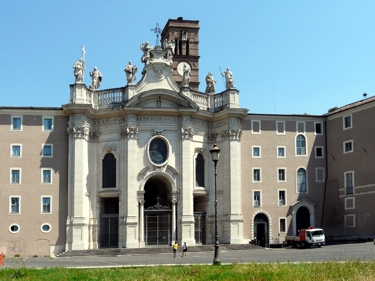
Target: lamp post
x: 215, y: 152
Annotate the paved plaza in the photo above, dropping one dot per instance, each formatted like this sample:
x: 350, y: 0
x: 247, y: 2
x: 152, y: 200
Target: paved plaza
x: 199, y: 255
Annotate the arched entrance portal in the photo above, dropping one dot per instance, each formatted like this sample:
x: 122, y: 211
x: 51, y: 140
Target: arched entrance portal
x: 303, y: 218
x: 157, y: 213
x: 261, y: 230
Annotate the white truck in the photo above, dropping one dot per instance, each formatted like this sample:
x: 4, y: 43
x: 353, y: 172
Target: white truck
x: 307, y: 238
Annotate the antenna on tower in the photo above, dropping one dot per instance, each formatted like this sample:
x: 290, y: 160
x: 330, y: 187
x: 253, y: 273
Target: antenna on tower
x: 157, y: 30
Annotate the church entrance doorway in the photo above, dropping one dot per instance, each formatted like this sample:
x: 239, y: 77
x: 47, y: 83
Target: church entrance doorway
x: 109, y: 223
x: 303, y: 218
x: 157, y: 213
x: 261, y: 230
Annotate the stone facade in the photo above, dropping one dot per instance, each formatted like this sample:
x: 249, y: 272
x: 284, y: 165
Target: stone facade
x: 131, y: 166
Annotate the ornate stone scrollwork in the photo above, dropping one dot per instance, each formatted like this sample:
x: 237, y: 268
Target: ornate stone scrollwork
x: 158, y: 133
x: 212, y: 136
x: 130, y: 132
x: 200, y: 150
x: 78, y: 132
x: 232, y: 134
x: 187, y: 132
x: 94, y: 135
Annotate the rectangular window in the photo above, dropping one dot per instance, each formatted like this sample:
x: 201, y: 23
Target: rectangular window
x: 282, y: 200
x: 256, y: 151
x: 281, y: 152
x: 257, y: 202
x: 15, y: 176
x: 348, y: 146
x: 319, y: 174
x: 15, y: 205
x: 319, y: 152
x: 47, y: 123
x: 46, y: 176
x: 349, y: 203
x: 349, y: 220
x: 280, y: 128
x: 281, y: 174
x: 347, y: 122
x: 349, y: 182
x: 16, y: 123
x: 15, y: 150
x: 282, y: 225
x: 46, y: 205
x: 255, y: 127
x: 47, y: 150
x: 256, y: 175
x: 301, y: 127
x: 318, y: 128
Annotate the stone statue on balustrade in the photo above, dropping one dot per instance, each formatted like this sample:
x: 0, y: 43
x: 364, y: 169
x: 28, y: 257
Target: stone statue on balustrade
x: 210, y: 84
x: 131, y: 72
x: 97, y: 77
x: 186, y: 76
x: 79, y: 67
x: 146, y: 49
x: 229, y: 82
x: 168, y: 46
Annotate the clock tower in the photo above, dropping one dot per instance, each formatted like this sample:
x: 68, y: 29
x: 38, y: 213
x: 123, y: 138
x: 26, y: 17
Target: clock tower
x: 185, y: 35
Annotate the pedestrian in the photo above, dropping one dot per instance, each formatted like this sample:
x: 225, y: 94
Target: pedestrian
x: 184, y: 250
x: 175, y: 247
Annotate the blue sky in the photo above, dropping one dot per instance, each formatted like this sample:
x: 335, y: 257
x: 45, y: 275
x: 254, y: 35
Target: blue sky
x: 287, y: 57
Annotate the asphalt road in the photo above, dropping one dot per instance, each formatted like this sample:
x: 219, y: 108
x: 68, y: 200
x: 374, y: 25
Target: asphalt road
x: 337, y: 252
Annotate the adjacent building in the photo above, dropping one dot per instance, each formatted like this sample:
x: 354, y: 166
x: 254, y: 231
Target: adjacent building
x: 131, y: 166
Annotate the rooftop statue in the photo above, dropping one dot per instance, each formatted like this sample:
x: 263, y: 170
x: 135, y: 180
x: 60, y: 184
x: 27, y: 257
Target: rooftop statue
x: 229, y: 82
x: 79, y: 67
x: 131, y: 72
x: 96, y: 76
x: 186, y: 76
x: 168, y: 46
x: 210, y: 81
x: 146, y: 49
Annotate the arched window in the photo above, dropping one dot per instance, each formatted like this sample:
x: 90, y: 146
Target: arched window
x: 301, y: 180
x: 109, y: 171
x: 301, y: 145
x: 199, y: 170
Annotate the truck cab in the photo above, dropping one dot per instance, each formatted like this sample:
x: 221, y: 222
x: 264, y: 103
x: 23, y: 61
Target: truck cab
x: 313, y: 236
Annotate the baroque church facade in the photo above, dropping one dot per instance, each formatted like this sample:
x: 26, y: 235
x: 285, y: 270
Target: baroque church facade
x: 131, y: 166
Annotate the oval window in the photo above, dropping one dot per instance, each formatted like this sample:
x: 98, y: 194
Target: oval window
x: 46, y: 227
x: 158, y: 151
x: 14, y: 228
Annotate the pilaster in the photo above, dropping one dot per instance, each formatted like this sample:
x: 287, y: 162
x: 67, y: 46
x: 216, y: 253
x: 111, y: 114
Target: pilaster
x: 131, y: 219
x: 187, y: 183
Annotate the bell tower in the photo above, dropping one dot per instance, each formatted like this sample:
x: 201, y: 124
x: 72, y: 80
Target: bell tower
x: 185, y: 34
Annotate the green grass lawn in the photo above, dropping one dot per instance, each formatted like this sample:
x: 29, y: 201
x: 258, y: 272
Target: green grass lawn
x: 351, y: 270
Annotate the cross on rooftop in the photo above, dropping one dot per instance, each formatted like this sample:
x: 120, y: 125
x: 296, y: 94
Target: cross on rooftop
x: 157, y: 30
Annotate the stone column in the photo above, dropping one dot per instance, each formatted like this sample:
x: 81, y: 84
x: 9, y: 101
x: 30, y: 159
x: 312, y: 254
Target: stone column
x: 174, y: 202
x: 141, y: 206
x: 79, y: 207
x: 131, y: 219
x: 187, y: 182
x: 231, y: 163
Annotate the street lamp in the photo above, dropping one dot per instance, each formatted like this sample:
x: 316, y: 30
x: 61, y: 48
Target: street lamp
x: 215, y: 152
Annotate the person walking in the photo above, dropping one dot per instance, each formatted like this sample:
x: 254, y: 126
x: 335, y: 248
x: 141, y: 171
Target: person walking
x: 184, y: 250
x: 175, y: 247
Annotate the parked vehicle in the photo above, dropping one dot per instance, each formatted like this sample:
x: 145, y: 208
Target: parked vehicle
x: 307, y: 238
